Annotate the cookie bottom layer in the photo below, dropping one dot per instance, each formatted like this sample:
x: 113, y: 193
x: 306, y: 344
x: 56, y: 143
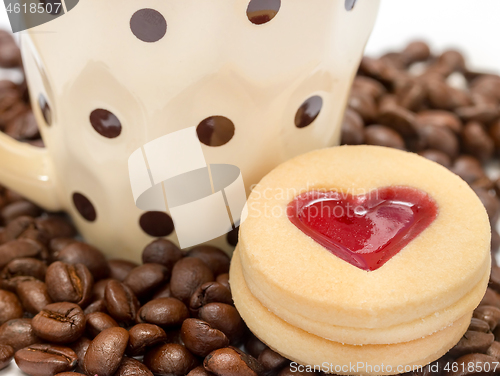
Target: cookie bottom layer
x: 308, y: 349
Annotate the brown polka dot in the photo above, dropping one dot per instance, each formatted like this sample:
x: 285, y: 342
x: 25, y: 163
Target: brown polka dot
x: 105, y: 123
x: 148, y: 25
x: 84, y: 207
x: 349, y: 4
x: 262, y: 11
x: 156, y: 223
x: 232, y: 236
x: 308, y: 112
x: 215, y: 131
x: 45, y: 109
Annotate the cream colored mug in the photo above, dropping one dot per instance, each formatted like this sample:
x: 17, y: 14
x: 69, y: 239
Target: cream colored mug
x: 262, y: 80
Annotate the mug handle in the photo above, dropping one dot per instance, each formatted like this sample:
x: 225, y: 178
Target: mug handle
x: 28, y: 170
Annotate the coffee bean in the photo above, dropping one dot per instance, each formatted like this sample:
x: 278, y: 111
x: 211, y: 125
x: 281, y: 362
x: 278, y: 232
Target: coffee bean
x: 143, y: 336
x: 474, y: 365
x: 490, y: 202
x: 82, y: 253
x: 254, y: 346
x: 97, y: 322
x: 440, y: 118
x: 59, y: 322
x: 163, y: 292
x: 415, y: 52
x: 478, y: 325
x: 132, y: 367
x: 468, y: 168
x: 495, y: 279
x: 483, y: 113
x: 399, y: 119
x: 121, y: 302
x: 494, y: 350
x: 200, y: 371
x: 488, y: 85
x: 57, y: 245
x: 19, y: 249
x: 483, y: 183
x: 10, y: 55
x: 10, y: 307
x: 99, y: 288
x: 472, y: 342
x: 491, y: 298
x: 352, y: 128
x: 271, y: 360
x: 69, y: 283
x: 18, y: 209
x: 200, y: 338
x: 11, y: 106
x: 80, y: 348
x: 477, y: 142
x: 223, y: 279
x: 364, y: 105
x: 147, y: 277
x: 369, y: 86
x: 489, y: 314
x: 119, y: 269
x: 217, y: 260
x: 6, y: 355
x: 96, y: 306
x: 436, y: 156
x: 164, y: 312
x: 162, y: 251
x: 24, y: 227
x: 45, y: 360
x: 170, y: 359
x: 105, y: 352
x: 22, y: 267
x: 383, y: 136
x: 411, y: 94
x: 231, y: 361
x: 210, y: 292
x: 188, y: 274
x: 56, y: 226
x: 225, y: 318
x: 23, y: 127
x: 439, y: 138
x: 33, y: 295
x: 18, y: 333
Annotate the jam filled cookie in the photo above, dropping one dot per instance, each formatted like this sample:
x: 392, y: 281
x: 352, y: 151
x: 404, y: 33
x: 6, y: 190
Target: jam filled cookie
x: 362, y: 245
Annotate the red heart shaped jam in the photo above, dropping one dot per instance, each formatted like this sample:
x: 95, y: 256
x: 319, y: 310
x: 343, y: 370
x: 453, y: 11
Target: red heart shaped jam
x: 365, y: 230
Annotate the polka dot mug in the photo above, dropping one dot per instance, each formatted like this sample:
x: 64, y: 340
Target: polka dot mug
x: 262, y: 80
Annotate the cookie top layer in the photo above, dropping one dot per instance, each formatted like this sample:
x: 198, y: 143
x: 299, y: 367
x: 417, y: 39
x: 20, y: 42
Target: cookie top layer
x: 435, y: 270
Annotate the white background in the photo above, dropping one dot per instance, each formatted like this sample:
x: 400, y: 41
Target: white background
x: 470, y: 25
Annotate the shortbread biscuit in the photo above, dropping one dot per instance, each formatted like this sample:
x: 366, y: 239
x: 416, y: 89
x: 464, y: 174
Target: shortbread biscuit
x: 308, y: 349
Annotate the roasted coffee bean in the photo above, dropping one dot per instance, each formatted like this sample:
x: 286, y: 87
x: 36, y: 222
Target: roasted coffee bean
x: 10, y: 107
x: 369, y: 86
x: 225, y: 318
x: 352, y: 128
x: 271, y: 360
x: 439, y: 138
x: 69, y: 283
x: 6, y: 355
x: 483, y: 113
x: 472, y: 342
x: 18, y: 209
x: 494, y: 132
x: 468, y: 168
x: 121, y: 302
x: 24, y: 227
x: 143, y: 336
x: 96, y: 306
x: 163, y: 292
x: 364, y: 105
x: 411, y: 94
x: 216, y: 259
x: 19, y: 249
x: 440, y: 118
x: 105, y: 352
x: 188, y: 274
x: 10, y: 307
x: 210, y: 292
x: 58, y: 244
x: 494, y: 350
x: 59, y: 323
x: 383, y: 136
x: 474, y: 365
x: 494, y: 283
x: 164, y: 312
x: 22, y: 267
x: 23, y: 127
x: 147, y: 277
x: 489, y: 314
x: 477, y: 142
x: 162, y: 251
x: 490, y: 202
x: 10, y: 55
x: 488, y: 85
x: 415, y: 52
x: 399, y: 119
x: 223, y: 279
x: 478, y: 325
x: 82, y: 253
x: 200, y: 371
x: 99, y: 289
x: 231, y: 361
x: 119, y: 269
x: 18, y: 333
x: 80, y: 348
x: 33, y: 295
x: 254, y: 346
x: 55, y: 226
x: 436, y: 156
x: 97, y: 322
x: 170, y: 359
x: 483, y: 183
x: 200, y: 338
x: 454, y: 60
x: 132, y: 367
x: 45, y: 360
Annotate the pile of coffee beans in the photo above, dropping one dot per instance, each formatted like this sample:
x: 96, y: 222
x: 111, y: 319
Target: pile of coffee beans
x: 67, y: 310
